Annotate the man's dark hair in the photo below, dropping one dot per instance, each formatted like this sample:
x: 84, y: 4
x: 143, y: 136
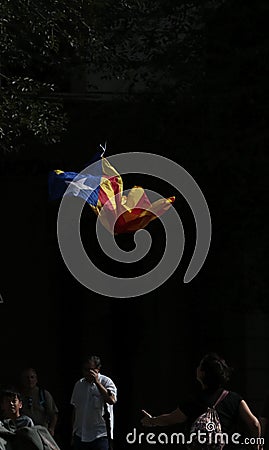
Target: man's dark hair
x: 217, y: 372
x: 93, y: 358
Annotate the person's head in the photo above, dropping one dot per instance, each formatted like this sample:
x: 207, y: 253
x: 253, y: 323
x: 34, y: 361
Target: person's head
x: 10, y: 403
x: 29, y: 378
x: 90, y: 364
x: 213, y: 371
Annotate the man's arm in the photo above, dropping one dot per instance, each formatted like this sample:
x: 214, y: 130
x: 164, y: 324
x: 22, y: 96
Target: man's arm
x: 108, y: 396
x: 106, y: 393
x: 52, y: 411
x: 52, y: 424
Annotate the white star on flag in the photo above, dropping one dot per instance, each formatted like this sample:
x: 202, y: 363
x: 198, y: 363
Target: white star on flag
x: 79, y: 186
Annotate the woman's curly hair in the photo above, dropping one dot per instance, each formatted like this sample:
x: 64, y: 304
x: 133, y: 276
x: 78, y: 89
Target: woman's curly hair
x: 217, y: 373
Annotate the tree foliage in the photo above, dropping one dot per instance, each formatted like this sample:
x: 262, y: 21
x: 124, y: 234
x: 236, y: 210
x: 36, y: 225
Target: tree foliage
x: 157, y: 43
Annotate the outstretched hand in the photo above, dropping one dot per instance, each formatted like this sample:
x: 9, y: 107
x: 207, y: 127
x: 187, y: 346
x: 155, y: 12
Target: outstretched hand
x: 146, y: 421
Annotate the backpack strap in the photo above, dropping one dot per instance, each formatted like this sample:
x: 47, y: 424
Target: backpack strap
x: 41, y: 396
x: 221, y: 397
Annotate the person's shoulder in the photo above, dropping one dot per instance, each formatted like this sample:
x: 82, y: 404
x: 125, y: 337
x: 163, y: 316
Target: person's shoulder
x: 105, y: 379
x: 24, y: 421
x: 46, y: 392
x: 80, y: 382
x: 233, y: 398
x: 235, y: 395
x: 25, y: 417
x: 49, y: 398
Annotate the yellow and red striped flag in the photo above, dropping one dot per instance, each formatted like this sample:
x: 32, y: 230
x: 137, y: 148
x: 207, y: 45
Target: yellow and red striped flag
x: 103, y: 191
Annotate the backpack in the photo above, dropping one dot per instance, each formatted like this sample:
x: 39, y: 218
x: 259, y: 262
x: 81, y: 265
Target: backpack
x: 205, y: 433
x: 42, y: 396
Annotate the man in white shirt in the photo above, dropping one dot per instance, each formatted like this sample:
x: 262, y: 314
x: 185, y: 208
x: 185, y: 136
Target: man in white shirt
x: 92, y: 396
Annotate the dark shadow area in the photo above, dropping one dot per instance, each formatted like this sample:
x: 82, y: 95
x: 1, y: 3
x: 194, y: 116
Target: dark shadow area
x: 150, y: 345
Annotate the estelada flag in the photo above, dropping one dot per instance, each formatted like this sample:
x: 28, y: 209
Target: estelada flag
x: 102, y: 189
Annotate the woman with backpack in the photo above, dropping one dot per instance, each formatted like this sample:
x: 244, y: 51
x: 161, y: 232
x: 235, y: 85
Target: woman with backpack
x: 212, y: 409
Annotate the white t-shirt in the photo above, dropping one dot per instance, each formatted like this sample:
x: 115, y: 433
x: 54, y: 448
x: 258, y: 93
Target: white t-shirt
x: 89, y: 423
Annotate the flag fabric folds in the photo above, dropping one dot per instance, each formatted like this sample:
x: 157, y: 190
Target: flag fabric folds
x: 102, y: 189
